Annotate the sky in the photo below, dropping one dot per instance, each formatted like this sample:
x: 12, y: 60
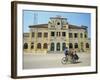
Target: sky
x: 42, y: 17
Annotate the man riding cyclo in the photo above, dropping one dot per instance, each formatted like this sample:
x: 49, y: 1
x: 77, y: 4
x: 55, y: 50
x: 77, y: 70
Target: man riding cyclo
x: 72, y: 54
x: 66, y: 51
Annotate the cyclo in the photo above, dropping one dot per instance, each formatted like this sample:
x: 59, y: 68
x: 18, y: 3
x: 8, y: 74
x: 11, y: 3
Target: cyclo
x: 72, y: 58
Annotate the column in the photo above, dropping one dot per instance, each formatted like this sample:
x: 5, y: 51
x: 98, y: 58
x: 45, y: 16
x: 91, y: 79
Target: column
x: 49, y: 42
x: 55, y: 46
x: 61, y: 47
x: 30, y: 40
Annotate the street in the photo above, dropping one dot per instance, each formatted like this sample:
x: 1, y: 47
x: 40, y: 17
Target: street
x: 31, y: 61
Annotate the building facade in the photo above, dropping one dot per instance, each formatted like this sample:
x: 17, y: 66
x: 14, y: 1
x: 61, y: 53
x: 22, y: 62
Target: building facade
x: 55, y: 36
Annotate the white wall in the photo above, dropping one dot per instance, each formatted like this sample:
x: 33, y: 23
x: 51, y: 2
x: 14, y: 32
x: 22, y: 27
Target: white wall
x: 5, y: 43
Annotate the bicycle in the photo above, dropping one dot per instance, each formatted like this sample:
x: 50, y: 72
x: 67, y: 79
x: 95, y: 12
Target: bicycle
x: 67, y: 59
x: 64, y: 60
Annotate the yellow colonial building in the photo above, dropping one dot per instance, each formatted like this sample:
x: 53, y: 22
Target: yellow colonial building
x: 54, y: 36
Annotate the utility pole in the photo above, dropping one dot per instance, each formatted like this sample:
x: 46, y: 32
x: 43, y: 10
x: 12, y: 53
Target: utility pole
x: 35, y: 22
x: 35, y: 18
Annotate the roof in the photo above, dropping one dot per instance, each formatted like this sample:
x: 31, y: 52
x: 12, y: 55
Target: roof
x: 46, y: 26
x: 39, y: 26
x: 76, y: 27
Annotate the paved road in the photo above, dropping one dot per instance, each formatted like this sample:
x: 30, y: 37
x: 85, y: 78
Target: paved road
x: 32, y: 61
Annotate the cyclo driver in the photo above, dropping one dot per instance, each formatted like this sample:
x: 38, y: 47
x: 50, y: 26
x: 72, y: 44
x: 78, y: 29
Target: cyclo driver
x: 66, y: 51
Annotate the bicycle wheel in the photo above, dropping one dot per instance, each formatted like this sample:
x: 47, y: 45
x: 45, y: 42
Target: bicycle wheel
x: 73, y: 60
x: 64, y: 60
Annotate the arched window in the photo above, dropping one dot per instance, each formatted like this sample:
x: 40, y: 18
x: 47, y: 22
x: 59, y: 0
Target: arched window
x: 32, y: 45
x: 45, y: 46
x: 52, y: 47
x: 25, y: 46
x: 58, y: 47
x: 39, y: 45
x: 76, y: 45
x: 70, y: 45
x: 87, y: 45
x: 63, y: 46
